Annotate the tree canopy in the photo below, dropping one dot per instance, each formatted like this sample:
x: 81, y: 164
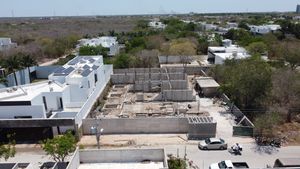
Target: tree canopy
x: 7, y: 150
x: 245, y: 81
x: 60, y: 146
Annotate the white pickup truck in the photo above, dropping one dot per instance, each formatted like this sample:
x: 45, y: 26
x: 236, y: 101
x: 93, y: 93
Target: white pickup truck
x: 227, y: 164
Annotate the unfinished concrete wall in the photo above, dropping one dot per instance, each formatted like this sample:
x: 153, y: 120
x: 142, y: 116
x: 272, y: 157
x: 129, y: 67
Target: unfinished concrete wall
x: 179, y: 84
x: 122, y: 155
x: 176, y: 95
x: 138, y: 125
x: 152, y: 126
x: 201, y: 131
x: 131, y: 78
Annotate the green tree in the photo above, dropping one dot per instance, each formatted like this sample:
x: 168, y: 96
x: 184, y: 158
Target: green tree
x: 62, y: 61
x: 245, y: 81
x: 8, y: 150
x: 143, y: 24
x: 122, y: 61
x: 243, y: 24
x: 265, y: 123
x: 203, y: 44
x: 292, y: 54
x: 257, y: 48
x: 176, y: 163
x: 3, y: 80
x: 284, y: 96
x: 12, y: 64
x: 60, y: 146
x: 93, y: 50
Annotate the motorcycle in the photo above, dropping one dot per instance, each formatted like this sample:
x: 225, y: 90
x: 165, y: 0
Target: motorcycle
x: 236, y: 150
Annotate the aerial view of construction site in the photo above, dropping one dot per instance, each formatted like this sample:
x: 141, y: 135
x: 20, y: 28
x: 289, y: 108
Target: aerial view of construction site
x: 139, y: 84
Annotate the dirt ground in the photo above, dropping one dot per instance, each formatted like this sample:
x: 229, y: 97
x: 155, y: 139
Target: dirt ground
x: 142, y: 140
x: 291, y: 131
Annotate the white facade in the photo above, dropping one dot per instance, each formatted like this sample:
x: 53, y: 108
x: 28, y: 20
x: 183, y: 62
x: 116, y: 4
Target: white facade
x: 264, y: 29
x: 68, y: 89
x: 6, y: 44
x: 105, y: 41
x: 157, y: 25
x: 217, y: 55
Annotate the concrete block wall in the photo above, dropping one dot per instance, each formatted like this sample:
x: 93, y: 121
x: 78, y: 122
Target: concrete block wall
x: 176, y: 95
x: 150, y: 126
x: 131, y: 78
x: 202, y: 130
x: 121, y: 155
x: 138, y: 125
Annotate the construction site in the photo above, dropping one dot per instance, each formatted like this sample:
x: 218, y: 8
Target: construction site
x: 167, y: 100
x: 155, y: 92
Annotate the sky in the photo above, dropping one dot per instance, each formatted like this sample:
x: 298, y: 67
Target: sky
x: 21, y: 8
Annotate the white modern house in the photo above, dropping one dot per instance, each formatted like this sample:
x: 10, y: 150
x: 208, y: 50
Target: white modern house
x: 69, y: 92
x: 217, y: 55
x: 157, y: 24
x: 264, y: 29
x: 6, y: 44
x: 109, y: 42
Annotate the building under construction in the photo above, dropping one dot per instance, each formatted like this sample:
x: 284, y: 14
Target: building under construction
x: 170, y: 84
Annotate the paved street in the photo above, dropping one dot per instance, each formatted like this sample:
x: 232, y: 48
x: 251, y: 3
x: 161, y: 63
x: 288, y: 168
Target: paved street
x: 250, y: 154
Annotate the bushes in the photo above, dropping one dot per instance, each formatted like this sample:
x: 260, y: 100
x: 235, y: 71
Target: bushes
x: 176, y: 163
x: 63, y: 61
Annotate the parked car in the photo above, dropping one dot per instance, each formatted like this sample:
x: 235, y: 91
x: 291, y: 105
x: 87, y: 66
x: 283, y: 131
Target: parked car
x: 212, y: 144
x: 287, y: 162
x: 227, y: 164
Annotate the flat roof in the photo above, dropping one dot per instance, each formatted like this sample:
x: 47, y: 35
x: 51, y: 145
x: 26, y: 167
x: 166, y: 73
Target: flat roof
x: 230, y: 49
x: 146, y: 165
x: 205, y: 82
x: 290, y: 161
x: 80, y: 66
x: 225, y: 56
x: 28, y: 92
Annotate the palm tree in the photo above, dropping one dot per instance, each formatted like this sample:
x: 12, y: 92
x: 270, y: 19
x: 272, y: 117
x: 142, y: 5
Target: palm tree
x: 12, y: 64
x: 27, y: 61
x: 3, y: 81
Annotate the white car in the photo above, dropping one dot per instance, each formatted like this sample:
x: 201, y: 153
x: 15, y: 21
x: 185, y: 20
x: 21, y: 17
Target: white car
x: 212, y: 144
x: 227, y: 164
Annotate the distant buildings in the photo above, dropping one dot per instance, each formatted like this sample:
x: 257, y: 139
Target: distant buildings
x: 298, y: 9
x: 217, y: 55
x: 6, y: 44
x: 264, y: 29
x: 157, y: 24
x: 105, y: 41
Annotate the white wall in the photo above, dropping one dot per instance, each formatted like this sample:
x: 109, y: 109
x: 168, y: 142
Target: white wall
x: 9, y: 112
x: 219, y: 60
x: 77, y: 94
x: 52, y: 99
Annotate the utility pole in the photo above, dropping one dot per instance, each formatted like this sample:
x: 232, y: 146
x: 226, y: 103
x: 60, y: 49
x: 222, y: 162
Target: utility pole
x: 95, y: 130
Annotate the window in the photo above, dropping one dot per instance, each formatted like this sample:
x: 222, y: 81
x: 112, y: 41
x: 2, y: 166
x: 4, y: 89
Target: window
x: 61, y: 103
x: 45, y: 103
x: 23, y: 117
x: 96, y: 78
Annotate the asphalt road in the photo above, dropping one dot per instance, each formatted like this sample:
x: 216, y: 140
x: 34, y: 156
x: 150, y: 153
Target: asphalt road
x: 255, y: 158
